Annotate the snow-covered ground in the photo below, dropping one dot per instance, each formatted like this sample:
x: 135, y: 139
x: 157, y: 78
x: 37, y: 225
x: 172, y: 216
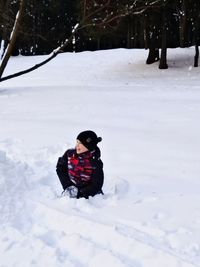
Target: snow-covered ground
x: 149, y: 122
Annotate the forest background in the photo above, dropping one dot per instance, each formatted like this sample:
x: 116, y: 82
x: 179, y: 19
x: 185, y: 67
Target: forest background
x: 107, y: 24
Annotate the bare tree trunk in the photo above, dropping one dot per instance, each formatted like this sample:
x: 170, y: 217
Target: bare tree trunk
x: 153, y: 55
x: 163, y: 57
x: 2, y: 48
x: 5, y: 7
x: 146, y: 31
x: 13, y: 38
x: 196, y: 36
x: 184, y: 24
x: 196, y: 57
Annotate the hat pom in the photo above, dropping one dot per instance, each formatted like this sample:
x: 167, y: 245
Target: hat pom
x: 99, y: 139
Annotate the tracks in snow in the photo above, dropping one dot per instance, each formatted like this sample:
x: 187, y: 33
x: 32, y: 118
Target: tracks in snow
x: 125, y: 243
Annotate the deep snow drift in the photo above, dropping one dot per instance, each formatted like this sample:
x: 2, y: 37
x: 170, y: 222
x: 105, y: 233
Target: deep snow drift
x: 149, y: 122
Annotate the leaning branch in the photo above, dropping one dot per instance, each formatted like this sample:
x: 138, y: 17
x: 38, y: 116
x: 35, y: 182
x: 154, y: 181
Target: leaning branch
x: 52, y: 55
x: 134, y: 10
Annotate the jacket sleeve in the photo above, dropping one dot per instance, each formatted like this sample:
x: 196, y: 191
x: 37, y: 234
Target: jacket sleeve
x: 62, y: 171
x: 95, y: 186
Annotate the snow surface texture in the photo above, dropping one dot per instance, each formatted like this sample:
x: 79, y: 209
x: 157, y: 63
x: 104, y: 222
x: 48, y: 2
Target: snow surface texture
x: 149, y: 121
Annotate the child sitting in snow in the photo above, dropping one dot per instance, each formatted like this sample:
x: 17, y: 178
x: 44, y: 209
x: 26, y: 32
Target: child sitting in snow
x: 80, y: 170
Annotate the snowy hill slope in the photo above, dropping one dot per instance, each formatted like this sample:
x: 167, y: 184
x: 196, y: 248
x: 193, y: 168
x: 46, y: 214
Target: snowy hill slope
x: 149, y: 121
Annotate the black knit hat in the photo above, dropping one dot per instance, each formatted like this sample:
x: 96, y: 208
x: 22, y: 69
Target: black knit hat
x: 89, y: 139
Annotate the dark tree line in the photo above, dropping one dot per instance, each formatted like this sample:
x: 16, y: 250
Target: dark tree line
x: 154, y: 25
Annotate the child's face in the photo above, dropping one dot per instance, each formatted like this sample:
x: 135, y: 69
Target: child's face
x: 80, y: 148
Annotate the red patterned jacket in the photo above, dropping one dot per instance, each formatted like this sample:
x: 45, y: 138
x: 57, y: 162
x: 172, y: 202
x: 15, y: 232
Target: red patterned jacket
x: 84, y: 170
